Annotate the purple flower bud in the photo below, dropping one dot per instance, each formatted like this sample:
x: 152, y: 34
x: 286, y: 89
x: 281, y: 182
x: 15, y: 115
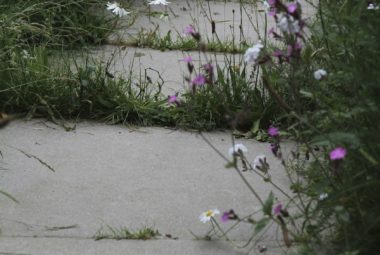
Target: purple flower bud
x: 199, y: 80
x: 297, y: 46
x: 277, y: 53
x: 289, y: 51
x: 272, y: 2
x: 272, y: 12
x: 225, y: 217
x: 189, y: 30
x: 173, y: 100
x: 338, y: 153
x: 277, y: 209
x: 187, y: 59
x: 292, y: 7
x: 273, y: 131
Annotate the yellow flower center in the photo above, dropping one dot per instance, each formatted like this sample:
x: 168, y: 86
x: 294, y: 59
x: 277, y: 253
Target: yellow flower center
x: 209, y: 213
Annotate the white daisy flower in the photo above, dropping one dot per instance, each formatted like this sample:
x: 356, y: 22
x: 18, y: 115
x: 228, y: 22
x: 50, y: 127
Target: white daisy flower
x: 319, y: 74
x: 252, y: 54
x: 260, y: 162
x: 25, y: 54
x: 323, y: 196
x: 238, y: 147
x: 288, y: 24
x: 206, y: 216
x: 266, y: 5
x: 372, y: 7
x: 116, y: 9
x: 157, y: 2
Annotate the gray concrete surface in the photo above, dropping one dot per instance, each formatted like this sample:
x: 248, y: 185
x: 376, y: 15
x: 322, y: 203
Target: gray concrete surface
x: 154, y: 63
x: 228, y: 16
x: 121, y: 177
x: 181, y: 14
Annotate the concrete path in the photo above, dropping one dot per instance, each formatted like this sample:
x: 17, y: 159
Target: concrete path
x: 228, y: 17
x: 154, y: 63
x: 120, y: 177
x: 133, y: 178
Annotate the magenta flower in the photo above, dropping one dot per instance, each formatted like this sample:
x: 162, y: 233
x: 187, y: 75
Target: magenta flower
x: 209, y: 68
x: 274, y: 147
x: 225, y: 217
x: 272, y: 12
x: 230, y: 215
x: 199, y: 80
x: 338, y: 153
x: 292, y: 7
x: 297, y: 46
x: 289, y: 50
x: 277, y: 209
x: 277, y: 53
x: 272, y: 2
x: 273, y: 131
x: 187, y: 59
x: 173, y: 99
x: 189, y: 30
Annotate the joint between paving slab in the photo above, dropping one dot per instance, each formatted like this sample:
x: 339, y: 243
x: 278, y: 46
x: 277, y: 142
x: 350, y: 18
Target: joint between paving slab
x: 163, y: 238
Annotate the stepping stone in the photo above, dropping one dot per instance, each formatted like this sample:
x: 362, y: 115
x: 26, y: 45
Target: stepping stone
x: 121, y: 177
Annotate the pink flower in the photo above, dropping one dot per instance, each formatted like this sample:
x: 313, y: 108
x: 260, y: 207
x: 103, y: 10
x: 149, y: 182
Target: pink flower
x: 273, y: 131
x: 187, y: 59
x: 225, y: 217
x: 230, y: 215
x: 209, y: 68
x: 338, y: 153
x: 199, y: 80
x: 272, y: 2
x: 189, y: 30
x: 277, y: 53
x: 277, y: 209
x: 173, y: 99
x: 290, y: 50
x: 297, y: 46
x: 272, y: 12
x: 292, y: 7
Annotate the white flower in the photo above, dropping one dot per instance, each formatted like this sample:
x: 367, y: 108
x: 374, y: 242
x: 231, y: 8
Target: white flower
x: 372, y: 7
x: 116, y: 9
x: 260, y: 162
x: 206, y: 216
x: 156, y: 2
x: 253, y: 53
x: 319, y: 74
x: 323, y: 196
x: 266, y: 5
x: 238, y: 147
x: 288, y: 24
x: 25, y: 54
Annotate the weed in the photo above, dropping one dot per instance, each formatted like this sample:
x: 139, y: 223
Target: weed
x: 144, y: 233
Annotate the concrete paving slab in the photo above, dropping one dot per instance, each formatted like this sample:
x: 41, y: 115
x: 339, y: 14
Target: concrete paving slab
x: 112, y: 175
x: 70, y: 246
x: 228, y: 17
x: 138, y: 63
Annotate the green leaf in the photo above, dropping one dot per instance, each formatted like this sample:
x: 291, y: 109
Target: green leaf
x: 306, y: 94
x: 256, y: 127
x: 230, y: 165
x: 261, y: 224
x: 368, y: 156
x: 267, y: 209
x: 336, y: 138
